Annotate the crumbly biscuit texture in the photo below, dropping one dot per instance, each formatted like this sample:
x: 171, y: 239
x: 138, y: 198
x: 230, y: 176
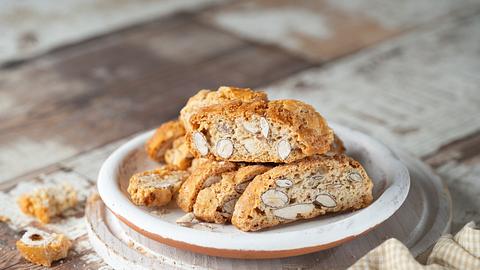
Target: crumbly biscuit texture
x: 224, y: 94
x: 216, y: 203
x: 205, y: 175
x: 47, y: 202
x: 156, y: 187
x: 311, y: 187
x: 280, y: 131
x: 43, y: 248
x: 179, y: 155
x: 163, y: 139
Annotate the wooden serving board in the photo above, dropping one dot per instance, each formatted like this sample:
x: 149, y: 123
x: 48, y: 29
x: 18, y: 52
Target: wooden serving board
x: 425, y: 215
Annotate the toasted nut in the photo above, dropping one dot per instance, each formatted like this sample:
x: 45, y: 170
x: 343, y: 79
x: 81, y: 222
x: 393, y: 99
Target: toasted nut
x: 284, y: 183
x: 240, y: 188
x: 274, y: 198
x: 250, y: 146
x: 264, y: 127
x: 313, y: 181
x: 325, y: 200
x: 211, y: 180
x: 187, y: 220
x: 283, y: 149
x: 355, y: 176
x: 224, y: 148
x: 229, y: 206
x: 251, y: 127
x: 293, y: 211
x: 200, y: 143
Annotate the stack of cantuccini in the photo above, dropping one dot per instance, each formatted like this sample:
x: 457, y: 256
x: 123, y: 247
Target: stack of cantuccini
x: 235, y: 156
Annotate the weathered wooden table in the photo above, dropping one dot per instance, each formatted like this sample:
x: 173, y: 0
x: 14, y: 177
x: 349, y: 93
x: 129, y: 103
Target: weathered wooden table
x: 79, y: 78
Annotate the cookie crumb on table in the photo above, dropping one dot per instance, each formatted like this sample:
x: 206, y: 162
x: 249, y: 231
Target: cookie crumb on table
x: 48, y: 201
x: 43, y: 248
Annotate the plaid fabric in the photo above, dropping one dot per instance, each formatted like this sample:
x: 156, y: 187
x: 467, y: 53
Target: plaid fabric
x: 459, y: 252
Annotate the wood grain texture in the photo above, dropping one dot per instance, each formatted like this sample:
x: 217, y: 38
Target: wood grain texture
x: 81, y: 97
x: 30, y: 28
x: 324, y: 30
x: 401, y: 91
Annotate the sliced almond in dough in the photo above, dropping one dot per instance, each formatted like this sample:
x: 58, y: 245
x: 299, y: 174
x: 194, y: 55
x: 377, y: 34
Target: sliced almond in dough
x: 240, y: 188
x: 224, y: 148
x: 264, y: 127
x: 354, y: 176
x: 229, y: 206
x: 283, y: 149
x: 211, y: 180
x: 284, y: 183
x: 250, y: 146
x: 274, y: 198
x: 251, y: 126
x: 200, y: 143
x: 292, y: 211
x: 325, y: 200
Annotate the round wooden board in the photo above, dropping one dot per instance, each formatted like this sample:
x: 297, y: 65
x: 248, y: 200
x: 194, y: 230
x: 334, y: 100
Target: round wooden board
x: 425, y: 215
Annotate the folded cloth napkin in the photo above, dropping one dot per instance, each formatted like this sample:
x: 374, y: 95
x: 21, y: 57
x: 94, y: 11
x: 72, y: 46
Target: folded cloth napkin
x: 459, y: 252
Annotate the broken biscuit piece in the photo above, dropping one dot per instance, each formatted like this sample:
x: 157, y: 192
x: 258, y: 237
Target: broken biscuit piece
x: 302, y: 190
x: 205, y: 175
x: 280, y: 131
x: 155, y: 187
x: 163, y: 139
x: 179, y: 155
x: 43, y: 248
x: 47, y: 202
x: 224, y: 94
x: 216, y: 203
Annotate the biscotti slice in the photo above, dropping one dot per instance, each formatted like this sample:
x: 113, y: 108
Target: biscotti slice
x: 302, y: 190
x: 280, y: 131
x: 216, y: 203
x: 224, y: 94
x: 207, y: 174
x: 163, y: 139
x: 43, y: 248
x: 156, y: 187
x: 179, y: 155
x: 337, y: 147
x: 48, y: 201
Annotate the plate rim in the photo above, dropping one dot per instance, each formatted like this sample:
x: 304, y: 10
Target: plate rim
x: 120, y: 205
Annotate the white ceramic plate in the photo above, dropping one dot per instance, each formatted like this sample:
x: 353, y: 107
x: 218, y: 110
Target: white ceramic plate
x: 391, y: 186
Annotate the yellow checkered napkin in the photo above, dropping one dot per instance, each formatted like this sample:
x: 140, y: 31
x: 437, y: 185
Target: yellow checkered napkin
x: 459, y: 252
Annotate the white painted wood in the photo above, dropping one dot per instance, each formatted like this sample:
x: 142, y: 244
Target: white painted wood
x: 419, y: 91
x: 391, y: 185
x: 323, y: 30
x: 31, y: 27
x: 424, y: 216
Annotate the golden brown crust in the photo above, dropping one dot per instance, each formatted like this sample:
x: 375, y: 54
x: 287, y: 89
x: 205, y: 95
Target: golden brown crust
x: 216, y: 203
x: 224, y: 94
x: 47, y: 202
x: 290, y: 122
x: 43, y: 248
x: 205, y: 175
x: 179, y: 155
x: 331, y: 178
x: 163, y: 139
x: 155, y: 187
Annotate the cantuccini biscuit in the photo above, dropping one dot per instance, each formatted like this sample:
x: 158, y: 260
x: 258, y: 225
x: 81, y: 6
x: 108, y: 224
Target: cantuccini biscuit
x: 280, y: 131
x: 302, y: 190
x: 163, y: 139
x: 216, y: 203
x: 156, y: 187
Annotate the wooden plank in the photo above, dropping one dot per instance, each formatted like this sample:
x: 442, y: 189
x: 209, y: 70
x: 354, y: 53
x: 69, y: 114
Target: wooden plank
x: 419, y: 91
x: 325, y: 30
x: 30, y: 28
x: 86, y: 95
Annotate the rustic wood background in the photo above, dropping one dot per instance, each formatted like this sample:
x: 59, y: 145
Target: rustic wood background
x: 78, y: 78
